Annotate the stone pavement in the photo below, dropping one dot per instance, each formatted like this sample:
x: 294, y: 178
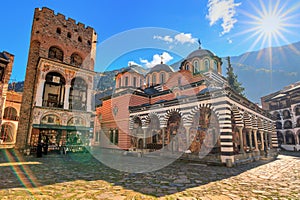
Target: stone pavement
x: 80, y: 176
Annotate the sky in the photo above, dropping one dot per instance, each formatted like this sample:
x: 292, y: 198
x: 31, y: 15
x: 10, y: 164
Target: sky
x: 146, y: 32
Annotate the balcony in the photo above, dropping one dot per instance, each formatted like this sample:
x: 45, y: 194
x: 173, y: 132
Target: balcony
x: 52, y: 104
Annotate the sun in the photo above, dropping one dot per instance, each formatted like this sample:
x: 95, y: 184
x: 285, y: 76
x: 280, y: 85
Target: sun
x: 269, y: 23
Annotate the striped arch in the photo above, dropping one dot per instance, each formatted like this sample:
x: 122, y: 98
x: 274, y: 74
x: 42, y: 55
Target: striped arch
x: 50, y: 113
x: 168, y: 115
x: 265, y: 125
x: 237, y: 116
x: 254, y: 122
x: 149, y: 116
x: 133, y: 118
x: 260, y: 124
x: 190, y: 117
x: 247, y: 120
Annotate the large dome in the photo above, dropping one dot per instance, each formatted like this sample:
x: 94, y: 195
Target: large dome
x: 200, y: 53
x: 161, y: 67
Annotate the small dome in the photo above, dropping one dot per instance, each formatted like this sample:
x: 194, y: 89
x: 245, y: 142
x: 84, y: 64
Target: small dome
x: 161, y: 67
x: 200, y: 53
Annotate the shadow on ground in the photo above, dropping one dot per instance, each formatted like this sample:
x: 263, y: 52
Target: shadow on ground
x: 29, y: 171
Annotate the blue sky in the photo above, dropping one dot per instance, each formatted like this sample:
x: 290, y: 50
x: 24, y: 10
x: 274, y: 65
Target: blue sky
x: 226, y: 27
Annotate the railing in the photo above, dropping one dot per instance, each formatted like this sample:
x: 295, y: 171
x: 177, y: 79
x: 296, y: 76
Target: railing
x: 52, y: 104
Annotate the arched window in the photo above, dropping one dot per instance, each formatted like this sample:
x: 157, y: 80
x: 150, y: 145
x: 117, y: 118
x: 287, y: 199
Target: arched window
x: 114, y: 136
x: 58, y: 31
x: 54, y: 90
x: 196, y: 67
x: 7, y: 133
x: 79, y: 39
x: 276, y: 115
x: 10, y: 113
x: 290, y: 138
x: 286, y: 114
x: 187, y: 67
x: 76, y: 60
x: 297, y: 110
x: 148, y: 80
x: 288, y: 124
x: 120, y: 81
x: 162, y: 78
x: 134, y: 82
x: 298, y: 122
x: 215, y: 66
x: 126, y: 81
x: 69, y: 35
x: 278, y: 125
x: 78, y: 94
x: 154, y: 79
x: 206, y: 65
x: 56, y: 53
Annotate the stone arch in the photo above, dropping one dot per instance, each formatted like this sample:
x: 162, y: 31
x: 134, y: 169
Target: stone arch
x: 193, y: 111
x: 55, y: 52
x: 278, y: 125
x: 286, y: 114
x: 76, y: 121
x: 237, y: 117
x: 152, y: 115
x: 276, y: 115
x: 280, y: 138
x: 247, y: 120
x: 133, y: 119
x: 297, y: 110
x: 298, y: 122
x: 290, y: 138
x: 76, y: 59
x: 288, y: 124
x: 50, y: 118
x: 205, y: 130
x: 169, y: 113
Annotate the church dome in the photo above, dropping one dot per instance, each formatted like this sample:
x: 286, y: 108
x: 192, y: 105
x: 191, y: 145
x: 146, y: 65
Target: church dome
x: 161, y: 67
x: 200, y: 53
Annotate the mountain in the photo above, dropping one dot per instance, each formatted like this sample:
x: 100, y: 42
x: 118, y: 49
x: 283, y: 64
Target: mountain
x: 262, y: 74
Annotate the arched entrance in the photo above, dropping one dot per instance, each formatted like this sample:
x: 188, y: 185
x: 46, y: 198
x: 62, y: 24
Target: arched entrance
x: 174, y: 131
x: 280, y: 138
x: 136, y: 133
x: 204, y: 134
x: 290, y: 138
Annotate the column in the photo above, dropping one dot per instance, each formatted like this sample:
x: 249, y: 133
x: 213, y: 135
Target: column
x: 255, y: 140
x: 266, y: 139
x: 163, y: 136
x: 240, y: 129
x: 284, y: 138
x: 262, y: 140
x: 250, y: 138
x: 145, y: 136
x: 89, y: 100
x: 297, y: 139
x: 66, y: 98
x: 187, y: 135
x: 39, y: 93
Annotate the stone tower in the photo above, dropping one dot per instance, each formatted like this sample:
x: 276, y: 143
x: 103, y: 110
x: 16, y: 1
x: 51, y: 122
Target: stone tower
x: 60, y: 50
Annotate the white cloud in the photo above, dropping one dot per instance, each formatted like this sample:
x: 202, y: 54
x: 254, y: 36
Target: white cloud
x: 157, y: 59
x: 222, y: 10
x: 185, y: 38
x: 229, y: 40
x: 179, y: 38
x: 166, y: 38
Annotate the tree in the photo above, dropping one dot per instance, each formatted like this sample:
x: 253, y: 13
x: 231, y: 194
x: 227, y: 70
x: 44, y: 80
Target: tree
x: 232, y: 79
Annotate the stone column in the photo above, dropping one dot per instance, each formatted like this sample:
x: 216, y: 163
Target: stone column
x: 89, y: 100
x: 255, y: 140
x: 266, y: 139
x: 145, y: 136
x: 240, y: 129
x: 250, y: 138
x: 284, y: 138
x: 40, y: 92
x: 66, y: 98
x: 262, y: 140
x: 297, y: 140
x: 163, y: 136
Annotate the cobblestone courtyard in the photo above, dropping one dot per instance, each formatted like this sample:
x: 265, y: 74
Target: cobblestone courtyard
x: 80, y: 176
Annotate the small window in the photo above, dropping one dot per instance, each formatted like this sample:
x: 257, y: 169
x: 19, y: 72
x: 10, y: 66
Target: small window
x: 56, y: 53
x: 162, y: 78
x: 126, y: 81
x: 79, y: 39
x: 58, y: 31
x: 1, y: 73
x: 187, y: 67
x: 215, y: 65
x: 89, y: 42
x: 206, y: 65
x: 196, y: 67
x: 134, y: 81
x: 153, y: 79
x: 69, y: 35
x: 119, y: 82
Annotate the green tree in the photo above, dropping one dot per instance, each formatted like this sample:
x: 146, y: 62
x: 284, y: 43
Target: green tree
x: 233, y: 80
